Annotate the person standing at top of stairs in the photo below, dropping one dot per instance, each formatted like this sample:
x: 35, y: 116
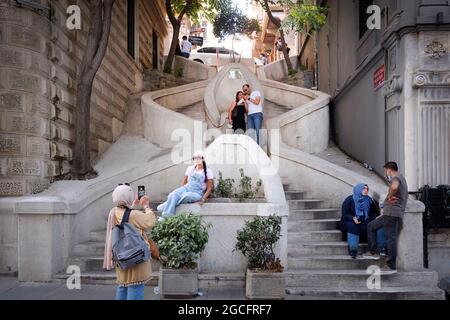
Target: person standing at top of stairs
x: 255, y: 110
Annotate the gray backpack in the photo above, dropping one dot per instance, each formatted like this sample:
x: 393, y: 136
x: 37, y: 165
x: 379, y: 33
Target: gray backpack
x: 128, y: 245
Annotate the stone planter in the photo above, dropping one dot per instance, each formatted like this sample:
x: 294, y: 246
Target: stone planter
x: 178, y: 282
x: 265, y: 285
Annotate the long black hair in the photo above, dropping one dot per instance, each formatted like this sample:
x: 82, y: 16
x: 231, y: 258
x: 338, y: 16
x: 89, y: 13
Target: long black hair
x: 237, y: 96
x: 205, y: 170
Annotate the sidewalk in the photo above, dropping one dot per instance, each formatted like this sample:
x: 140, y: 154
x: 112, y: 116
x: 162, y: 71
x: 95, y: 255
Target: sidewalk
x: 12, y: 289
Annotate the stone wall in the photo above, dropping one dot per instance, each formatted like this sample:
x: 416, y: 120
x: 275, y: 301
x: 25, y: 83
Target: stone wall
x: 39, y: 60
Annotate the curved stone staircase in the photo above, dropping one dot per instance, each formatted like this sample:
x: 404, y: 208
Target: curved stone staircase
x: 319, y: 264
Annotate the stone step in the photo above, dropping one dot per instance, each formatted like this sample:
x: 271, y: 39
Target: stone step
x: 296, y: 249
x: 89, y: 248
x: 205, y: 280
x: 357, y: 279
x: 98, y: 235
x: 314, y: 214
x: 95, y: 263
x: 101, y: 278
x: 305, y: 204
x: 315, y: 236
x: 313, y: 225
x: 295, y: 195
x: 394, y: 293
x: 331, y: 262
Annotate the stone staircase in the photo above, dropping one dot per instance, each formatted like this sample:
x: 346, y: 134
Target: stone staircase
x: 89, y: 257
x: 157, y: 80
x: 319, y: 264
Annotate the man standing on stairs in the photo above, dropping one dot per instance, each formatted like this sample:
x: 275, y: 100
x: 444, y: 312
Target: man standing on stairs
x: 255, y: 110
x: 186, y: 47
x: 394, y: 210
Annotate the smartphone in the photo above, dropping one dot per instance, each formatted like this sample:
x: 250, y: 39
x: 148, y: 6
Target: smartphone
x: 141, y: 192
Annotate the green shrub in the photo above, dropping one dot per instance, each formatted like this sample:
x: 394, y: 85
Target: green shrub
x: 180, y: 239
x: 167, y: 69
x: 179, y: 72
x: 223, y: 188
x: 245, y: 188
x: 257, y: 240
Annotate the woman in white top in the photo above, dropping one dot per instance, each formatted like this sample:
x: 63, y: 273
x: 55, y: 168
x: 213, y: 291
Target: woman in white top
x: 197, y: 186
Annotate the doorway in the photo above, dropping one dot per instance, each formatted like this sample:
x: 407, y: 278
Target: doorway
x: 155, y: 45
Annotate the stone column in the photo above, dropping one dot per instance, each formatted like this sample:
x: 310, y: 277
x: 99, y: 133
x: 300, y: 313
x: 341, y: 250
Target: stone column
x: 410, y: 239
x: 43, y: 238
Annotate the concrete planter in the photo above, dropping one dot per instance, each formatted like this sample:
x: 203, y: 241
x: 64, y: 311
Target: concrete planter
x: 265, y: 285
x: 178, y: 282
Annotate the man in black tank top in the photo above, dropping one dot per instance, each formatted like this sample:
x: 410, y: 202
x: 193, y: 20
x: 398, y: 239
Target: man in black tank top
x: 393, y: 211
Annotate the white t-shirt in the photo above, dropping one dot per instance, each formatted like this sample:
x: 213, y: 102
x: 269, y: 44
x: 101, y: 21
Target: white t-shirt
x: 255, y: 108
x: 209, y: 174
x: 186, y: 46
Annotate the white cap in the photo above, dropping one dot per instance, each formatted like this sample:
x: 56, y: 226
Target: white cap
x: 199, y: 154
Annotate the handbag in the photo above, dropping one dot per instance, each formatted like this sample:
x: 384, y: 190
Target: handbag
x: 153, y: 249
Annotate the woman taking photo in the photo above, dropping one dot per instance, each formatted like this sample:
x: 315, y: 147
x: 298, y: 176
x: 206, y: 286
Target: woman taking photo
x: 197, y: 186
x: 131, y: 281
x: 236, y: 113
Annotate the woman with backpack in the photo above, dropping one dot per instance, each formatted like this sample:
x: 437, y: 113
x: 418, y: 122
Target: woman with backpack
x: 130, y: 281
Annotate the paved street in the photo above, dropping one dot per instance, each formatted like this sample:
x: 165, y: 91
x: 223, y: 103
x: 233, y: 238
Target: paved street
x: 12, y: 289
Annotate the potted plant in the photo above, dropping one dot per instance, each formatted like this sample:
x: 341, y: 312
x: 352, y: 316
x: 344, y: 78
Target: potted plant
x: 180, y: 239
x: 265, y: 277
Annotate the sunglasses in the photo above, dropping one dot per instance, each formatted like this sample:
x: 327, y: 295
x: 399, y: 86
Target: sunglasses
x: 195, y: 158
x: 126, y: 183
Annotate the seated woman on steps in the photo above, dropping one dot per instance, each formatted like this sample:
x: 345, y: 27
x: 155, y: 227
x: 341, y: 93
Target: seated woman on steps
x: 197, y: 186
x: 358, y: 210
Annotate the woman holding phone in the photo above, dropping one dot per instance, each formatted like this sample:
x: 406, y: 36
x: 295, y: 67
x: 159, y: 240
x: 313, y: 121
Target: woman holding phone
x: 236, y: 113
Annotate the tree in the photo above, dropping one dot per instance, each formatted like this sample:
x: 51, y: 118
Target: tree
x: 177, y: 9
x: 304, y: 16
x: 100, y: 12
x: 230, y: 20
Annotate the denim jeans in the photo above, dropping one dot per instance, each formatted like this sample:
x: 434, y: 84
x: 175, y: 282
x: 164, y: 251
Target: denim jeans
x: 176, y: 197
x: 391, y: 226
x: 130, y: 293
x: 185, y: 54
x: 255, y: 121
x: 353, y: 240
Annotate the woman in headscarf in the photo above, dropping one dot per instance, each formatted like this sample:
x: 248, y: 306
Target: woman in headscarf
x: 197, y: 186
x: 130, y: 281
x: 357, y: 211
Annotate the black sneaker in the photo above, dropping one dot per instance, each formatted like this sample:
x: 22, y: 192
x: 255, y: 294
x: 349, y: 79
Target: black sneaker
x: 383, y: 253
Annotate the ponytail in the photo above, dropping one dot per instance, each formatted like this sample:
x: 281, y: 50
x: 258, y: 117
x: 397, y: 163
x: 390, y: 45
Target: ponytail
x: 205, y: 170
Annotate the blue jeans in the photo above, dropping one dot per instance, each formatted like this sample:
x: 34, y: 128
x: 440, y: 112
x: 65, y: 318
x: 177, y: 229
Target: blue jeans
x: 176, y: 197
x: 353, y: 240
x: 185, y: 54
x: 255, y: 121
x: 130, y: 293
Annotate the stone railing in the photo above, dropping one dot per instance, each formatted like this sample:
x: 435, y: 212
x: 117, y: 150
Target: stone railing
x: 276, y: 70
x: 50, y: 225
x: 164, y: 126
x: 194, y: 70
x: 306, y: 126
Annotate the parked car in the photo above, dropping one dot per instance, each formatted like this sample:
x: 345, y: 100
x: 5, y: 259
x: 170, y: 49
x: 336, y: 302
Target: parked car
x: 208, y: 55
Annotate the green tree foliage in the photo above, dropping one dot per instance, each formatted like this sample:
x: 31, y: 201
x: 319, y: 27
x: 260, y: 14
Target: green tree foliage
x: 304, y: 17
x: 230, y: 20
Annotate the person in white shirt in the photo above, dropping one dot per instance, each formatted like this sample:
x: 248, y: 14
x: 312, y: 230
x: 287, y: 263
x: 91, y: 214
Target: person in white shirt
x: 255, y: 110
x: 186, y: 47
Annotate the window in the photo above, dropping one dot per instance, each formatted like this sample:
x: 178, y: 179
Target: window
x: 200, y: 50
x: 209, y: 50
x: 130, y: 28
x: 224, y: 51
x: 363, y: 16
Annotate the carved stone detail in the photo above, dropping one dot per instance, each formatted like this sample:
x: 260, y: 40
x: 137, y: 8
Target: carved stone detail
x: 436, y: 50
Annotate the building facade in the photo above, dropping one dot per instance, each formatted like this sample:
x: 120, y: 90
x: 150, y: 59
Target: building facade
x: 39, y: 59
x: 391, y: 91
